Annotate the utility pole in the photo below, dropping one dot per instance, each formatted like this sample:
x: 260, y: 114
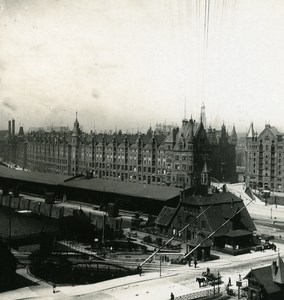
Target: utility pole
x: 103, y: 236
x: 10, y: 224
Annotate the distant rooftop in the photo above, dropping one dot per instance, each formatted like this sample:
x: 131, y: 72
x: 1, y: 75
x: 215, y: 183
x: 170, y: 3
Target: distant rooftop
x: 162, y: 193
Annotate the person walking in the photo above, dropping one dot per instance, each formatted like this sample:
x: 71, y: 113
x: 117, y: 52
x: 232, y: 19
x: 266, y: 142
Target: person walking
x: 172, y: 296
x: 189, y: 261
x: 195, y: 263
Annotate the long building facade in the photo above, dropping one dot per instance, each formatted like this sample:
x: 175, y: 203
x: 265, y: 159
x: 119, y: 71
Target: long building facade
x: 264, y: 159
x: 176, y: 158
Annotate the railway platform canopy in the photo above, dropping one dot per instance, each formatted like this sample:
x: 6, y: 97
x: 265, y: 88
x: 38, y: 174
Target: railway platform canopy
x: 90, y: 189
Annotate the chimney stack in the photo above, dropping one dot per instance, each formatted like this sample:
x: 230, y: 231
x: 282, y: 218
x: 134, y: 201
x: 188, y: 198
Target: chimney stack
x: 9, y: 129
x: 13, y: 127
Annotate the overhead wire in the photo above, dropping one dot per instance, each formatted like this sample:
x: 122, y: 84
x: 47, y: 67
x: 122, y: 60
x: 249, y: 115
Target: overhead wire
x: 179, y: 232
x: 216, y: 230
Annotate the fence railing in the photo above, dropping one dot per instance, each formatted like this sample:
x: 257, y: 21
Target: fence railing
x: 201, y: 294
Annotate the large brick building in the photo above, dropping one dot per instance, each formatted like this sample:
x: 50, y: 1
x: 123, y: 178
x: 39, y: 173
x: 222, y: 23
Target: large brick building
x: 264, y: 159
x: 176, y: 158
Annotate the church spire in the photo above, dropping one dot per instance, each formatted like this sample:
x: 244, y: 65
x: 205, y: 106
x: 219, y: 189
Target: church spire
x: 76, y: 128
x: 234, y: 137
x: 203, y: 116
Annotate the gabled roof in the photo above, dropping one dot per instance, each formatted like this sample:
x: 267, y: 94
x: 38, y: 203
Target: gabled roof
x: 224, y: 206
x: 160, y: 138
x: 171, y: 137
x: 264, y: 277
x: 188, y: 131
x: 146, y: 138
x: 166, y: 216
x: 270, y: 129
x: 120, y: 138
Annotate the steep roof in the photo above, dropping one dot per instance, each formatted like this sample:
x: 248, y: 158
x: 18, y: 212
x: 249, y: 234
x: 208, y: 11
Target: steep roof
x: 270, y: 129
x: 188, y: 131
x: 274, y: 130
x: 205, y: 168
x: 224, y: 206
x: 251, y: 133
x: 76, y: 129
x: 199, y: 239
x: 264, y: 277
x: 234, y: 134
x: 165, y: 216
x: 279, y: 276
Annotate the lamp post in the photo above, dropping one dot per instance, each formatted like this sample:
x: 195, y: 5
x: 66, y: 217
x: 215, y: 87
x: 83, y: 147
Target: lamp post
x: 239, y: 285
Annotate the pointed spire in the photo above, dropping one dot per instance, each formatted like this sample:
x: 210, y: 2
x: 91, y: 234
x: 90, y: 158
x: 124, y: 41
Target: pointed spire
x: 191, y: 130
x: 234, y: 134
x: 203, y: 116
x: 205, y: 168
x: 76, y: 128
x: 251, y: 133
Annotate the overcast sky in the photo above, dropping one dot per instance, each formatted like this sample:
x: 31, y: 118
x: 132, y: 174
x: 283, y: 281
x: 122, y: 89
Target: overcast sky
x: 132, y: 63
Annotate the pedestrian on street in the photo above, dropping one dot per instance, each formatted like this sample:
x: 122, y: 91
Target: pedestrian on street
x: 54, y: 287
x: 172, y: 296
x: 195, y: 263
x: 189, y: 261
x: 229, y: 283
x: 139, y: 269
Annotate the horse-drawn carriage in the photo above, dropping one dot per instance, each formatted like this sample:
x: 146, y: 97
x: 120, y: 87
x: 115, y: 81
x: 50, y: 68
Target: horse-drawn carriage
x: 209, y: 278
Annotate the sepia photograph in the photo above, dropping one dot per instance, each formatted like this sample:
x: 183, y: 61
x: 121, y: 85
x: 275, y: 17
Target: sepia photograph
x: 142, y: 149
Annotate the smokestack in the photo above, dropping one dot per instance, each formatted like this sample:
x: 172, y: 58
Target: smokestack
x: 13, y: 127
x: 21, y: 131
x: 9, y: 128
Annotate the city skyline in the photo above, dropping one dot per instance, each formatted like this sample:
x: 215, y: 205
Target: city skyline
x: 131, y: 64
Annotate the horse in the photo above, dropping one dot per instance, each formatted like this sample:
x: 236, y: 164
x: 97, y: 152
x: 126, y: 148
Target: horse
x: 201, y: 281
